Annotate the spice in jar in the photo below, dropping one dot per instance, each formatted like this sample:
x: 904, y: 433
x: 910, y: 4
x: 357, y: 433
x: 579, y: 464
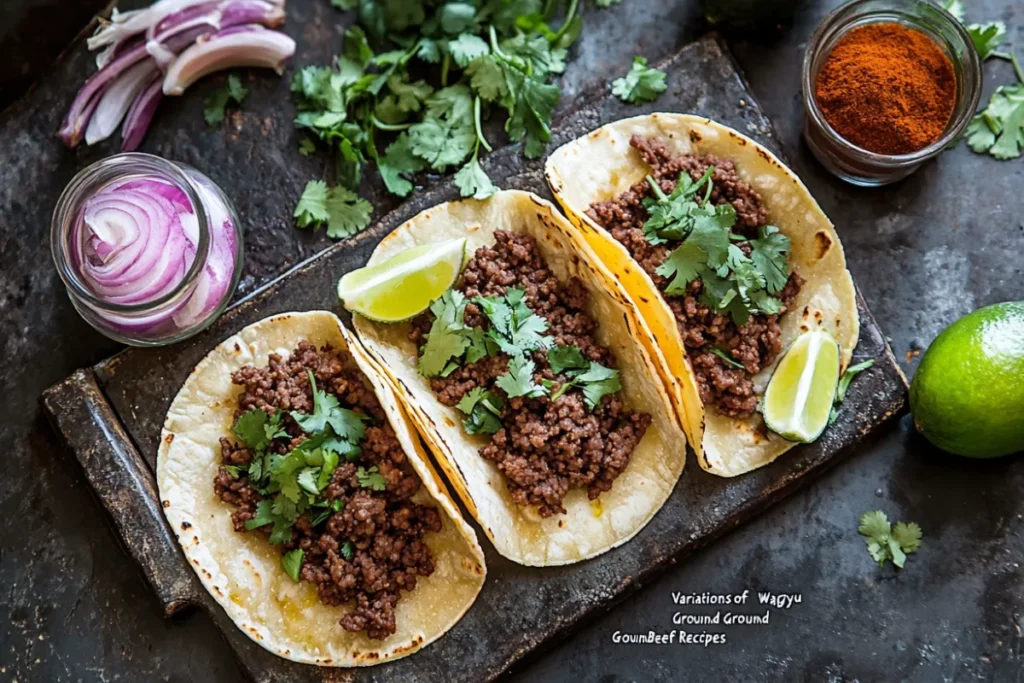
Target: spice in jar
x: 887, y: 88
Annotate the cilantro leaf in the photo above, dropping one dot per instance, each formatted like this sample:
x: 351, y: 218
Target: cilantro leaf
x: 344, y: 212
x: 907, y: 535
x: 514, y: 327
x: 598, y: 382
x: 446, y: 339
x: 312, y: 207
x: 641, y: 84
x: 874, y: 524
x: 562, y: 358
x: 518, y: 380
x: 306, y: 147
x: 291, y: 562
x: 263, y: 516
x: 483, y: 411
x: 529, y: 122
x: 473, y: 181
x: 986, y: 37
x: 466, y: 48
x: 683, y: 266
x: 487, y: 78
x: 398, y: 160
x: 256, y: 429
x: 442, y: 142
x: 348, y: 550
x: 770, y: 255
x: 409, y: 97
x: 371, y: 478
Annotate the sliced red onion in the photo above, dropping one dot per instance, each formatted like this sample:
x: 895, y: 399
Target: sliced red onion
x: 134, y: 243
x: 123, y: 26
x: 117, y: 99
x: 141, y: 113
x: 247, y: 45
x: 84, y: 104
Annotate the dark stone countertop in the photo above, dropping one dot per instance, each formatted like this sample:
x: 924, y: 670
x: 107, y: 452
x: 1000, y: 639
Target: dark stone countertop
x: 945, y: 241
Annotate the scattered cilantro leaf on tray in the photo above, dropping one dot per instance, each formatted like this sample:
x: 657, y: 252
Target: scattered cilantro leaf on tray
x: 342, y: 210
x: 641, y: 84
x: 886, y: 542
x: 215, y: 105
x: 999, y: 128
x: 987, y: 37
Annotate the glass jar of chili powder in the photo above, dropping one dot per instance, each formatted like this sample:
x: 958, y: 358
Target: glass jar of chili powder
x: 856, y: 164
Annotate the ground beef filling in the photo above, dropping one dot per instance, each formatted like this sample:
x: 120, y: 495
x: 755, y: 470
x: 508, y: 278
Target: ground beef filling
x: 543, y: 448
x: 757, y: 343
x: 384, y: 529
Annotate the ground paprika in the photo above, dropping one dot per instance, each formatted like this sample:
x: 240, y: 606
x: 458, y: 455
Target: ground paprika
x: 887, y: 88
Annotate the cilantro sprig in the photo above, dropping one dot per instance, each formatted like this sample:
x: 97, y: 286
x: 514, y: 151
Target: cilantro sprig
x: 889, y: 542
x: 344, y: 213
x: 735, y: 281
x: 641, y: 84
x: 416, y: 80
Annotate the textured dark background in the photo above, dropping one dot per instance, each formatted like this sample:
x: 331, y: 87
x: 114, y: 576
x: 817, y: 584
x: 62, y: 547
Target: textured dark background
x: 947, y: 240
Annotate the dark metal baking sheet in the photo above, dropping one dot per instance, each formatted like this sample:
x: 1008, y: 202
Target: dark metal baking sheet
x: 110, y: 416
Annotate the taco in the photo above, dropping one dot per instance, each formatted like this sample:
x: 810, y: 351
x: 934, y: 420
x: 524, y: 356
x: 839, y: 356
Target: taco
x: 725, y: 254
x: 528, y: 379
x: 304, y: 501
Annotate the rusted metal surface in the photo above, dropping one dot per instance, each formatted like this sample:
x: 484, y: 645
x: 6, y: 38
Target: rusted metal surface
x: 114, y: 432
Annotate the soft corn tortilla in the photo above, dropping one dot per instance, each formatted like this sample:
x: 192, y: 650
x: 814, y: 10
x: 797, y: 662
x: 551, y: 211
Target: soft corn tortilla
x: 601, y: 165
x: 518, y: 532
x: 243, y: 571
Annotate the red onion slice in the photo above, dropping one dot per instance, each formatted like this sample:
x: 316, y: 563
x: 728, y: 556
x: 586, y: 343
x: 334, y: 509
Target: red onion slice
x: 247, y: 45
x: 116, y: 101
x: 141, y: 113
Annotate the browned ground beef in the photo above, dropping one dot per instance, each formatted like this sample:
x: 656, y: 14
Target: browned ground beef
x: 385, y: 528
x: 756, y: 344
x: 543, y: 448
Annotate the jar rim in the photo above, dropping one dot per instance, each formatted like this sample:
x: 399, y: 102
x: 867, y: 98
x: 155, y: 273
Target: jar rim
x: 841, y: 20
x: 99, y: 174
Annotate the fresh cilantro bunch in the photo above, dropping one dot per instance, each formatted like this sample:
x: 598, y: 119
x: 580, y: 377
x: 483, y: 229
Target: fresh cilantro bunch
x: 641, y: 84
x: 417, y: 78
x: 889, y: 542
x: 215, y: 105
x: 737, y: 281
x: 293, y: 484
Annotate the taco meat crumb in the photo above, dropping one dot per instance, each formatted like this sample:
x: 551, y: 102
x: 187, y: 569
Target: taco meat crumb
x: 543, y: 448
x: 756, y: 344
x: 373, y: 548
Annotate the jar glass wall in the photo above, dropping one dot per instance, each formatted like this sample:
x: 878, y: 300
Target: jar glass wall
x: 150, y: 250
x: 855, y: 164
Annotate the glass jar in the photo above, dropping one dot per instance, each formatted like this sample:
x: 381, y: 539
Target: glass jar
x: 856, y: 164
x: 150, y: 250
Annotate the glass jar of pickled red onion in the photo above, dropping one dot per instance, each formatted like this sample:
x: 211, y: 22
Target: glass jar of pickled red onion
x: 150, y: 250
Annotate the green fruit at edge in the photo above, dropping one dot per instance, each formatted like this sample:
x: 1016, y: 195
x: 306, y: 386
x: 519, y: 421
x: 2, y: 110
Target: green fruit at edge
x: 968, y: 394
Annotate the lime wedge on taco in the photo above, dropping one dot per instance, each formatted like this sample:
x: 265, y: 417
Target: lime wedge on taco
x: 405, y: 284
x: 800, y: 394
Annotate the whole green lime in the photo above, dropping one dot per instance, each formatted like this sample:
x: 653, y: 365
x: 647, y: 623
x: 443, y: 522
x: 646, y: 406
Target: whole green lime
x: 968, y: 394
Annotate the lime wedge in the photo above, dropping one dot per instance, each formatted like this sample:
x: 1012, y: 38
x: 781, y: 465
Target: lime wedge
x: 405, y: 284
x: 800, y: 394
